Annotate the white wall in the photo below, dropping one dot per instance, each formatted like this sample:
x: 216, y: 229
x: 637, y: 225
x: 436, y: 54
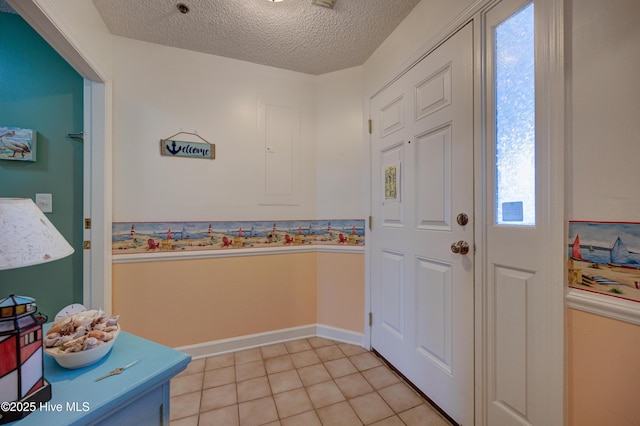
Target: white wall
x: 341, y: 152
x: 159, y: 91
x: 603, y: 174
x: 421, y: 26
x: 604, y: 170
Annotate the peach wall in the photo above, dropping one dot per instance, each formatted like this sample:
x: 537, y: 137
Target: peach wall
x: 341, y: 291
x: 185, y: 302
x: 603, y: 375
x: 179, y: 303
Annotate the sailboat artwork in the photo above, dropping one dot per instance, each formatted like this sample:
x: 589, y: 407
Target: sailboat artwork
x: 153, y: 237
x: 575, y: 249
x: 604, y: 257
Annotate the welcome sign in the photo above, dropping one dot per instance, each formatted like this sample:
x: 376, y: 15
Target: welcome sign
x: 175, y: 148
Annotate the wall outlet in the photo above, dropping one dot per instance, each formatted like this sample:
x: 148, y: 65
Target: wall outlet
x: 45, y: 202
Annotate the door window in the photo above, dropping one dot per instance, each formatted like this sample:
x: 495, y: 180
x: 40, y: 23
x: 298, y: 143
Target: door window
x: 514, y: 80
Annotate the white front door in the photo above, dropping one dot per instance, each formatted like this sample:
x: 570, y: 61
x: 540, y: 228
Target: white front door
x: 422, y: 292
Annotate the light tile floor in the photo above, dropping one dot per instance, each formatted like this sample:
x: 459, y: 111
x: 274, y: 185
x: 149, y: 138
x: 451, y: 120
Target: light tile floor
x: 306, y: 382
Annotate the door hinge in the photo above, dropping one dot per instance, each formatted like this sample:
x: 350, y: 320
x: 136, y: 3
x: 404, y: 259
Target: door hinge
x: 370, y: 223
x: 87, y: 223
x: 86, y: 245
x: 370, y: 126
x: 370, y: 319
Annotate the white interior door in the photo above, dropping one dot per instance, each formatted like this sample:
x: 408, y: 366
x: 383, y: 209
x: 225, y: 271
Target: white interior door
x: 422, y: 295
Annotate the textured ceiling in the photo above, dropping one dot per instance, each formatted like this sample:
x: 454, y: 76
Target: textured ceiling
x: 292, y: 34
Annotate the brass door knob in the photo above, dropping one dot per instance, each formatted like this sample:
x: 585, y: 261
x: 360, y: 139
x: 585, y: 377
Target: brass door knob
x: 461, y: 247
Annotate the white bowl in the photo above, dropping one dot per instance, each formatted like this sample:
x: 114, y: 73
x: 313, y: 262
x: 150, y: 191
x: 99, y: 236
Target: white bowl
x: 72, y: 360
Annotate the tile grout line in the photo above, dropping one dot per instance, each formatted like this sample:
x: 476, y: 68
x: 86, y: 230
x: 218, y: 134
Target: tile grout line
x: 235, y: 380
x: 264, y: 358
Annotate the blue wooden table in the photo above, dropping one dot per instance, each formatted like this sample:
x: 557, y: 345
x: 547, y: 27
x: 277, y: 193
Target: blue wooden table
x: 139, y: 396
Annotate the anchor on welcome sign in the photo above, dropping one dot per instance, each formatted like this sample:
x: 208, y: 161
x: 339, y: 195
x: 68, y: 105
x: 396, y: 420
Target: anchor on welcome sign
x: 175, y: 148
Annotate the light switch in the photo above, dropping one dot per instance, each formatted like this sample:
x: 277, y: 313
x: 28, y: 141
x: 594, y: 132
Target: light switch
x: 44, y: 201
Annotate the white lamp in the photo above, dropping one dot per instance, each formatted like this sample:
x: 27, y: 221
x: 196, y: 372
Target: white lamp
x: 26, y: 238
x: 26, y: 235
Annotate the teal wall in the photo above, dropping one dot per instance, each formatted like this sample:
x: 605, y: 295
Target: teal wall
x: 40, y: 91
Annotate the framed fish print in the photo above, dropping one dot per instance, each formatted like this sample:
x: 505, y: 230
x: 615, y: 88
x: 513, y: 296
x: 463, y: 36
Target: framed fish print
x: 17, y: 144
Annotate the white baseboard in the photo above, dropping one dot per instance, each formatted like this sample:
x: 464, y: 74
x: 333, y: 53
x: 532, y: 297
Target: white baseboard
x: 216, y: 347
x: 340, y: 335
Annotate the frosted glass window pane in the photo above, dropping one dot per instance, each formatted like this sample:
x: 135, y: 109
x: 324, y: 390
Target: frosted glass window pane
x: 515, y: 120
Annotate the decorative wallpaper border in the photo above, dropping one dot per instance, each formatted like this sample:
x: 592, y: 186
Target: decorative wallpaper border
x: 163, y: 237
x: 604, y: 258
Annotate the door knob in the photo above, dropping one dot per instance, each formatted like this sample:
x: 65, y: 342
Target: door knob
x: 461, y: 247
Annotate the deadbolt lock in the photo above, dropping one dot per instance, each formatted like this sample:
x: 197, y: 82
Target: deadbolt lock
x: 462, y: 219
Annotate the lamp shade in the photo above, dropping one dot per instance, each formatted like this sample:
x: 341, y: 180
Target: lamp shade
x: 26, y: 235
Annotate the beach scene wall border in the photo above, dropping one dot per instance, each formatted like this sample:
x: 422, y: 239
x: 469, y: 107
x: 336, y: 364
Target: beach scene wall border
x: 157, y: 237
x: 604, y: 257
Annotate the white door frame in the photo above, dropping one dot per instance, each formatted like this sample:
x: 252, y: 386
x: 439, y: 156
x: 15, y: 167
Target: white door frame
x: 550, y: 98
x: 97, y: 194
x: 97, y: 292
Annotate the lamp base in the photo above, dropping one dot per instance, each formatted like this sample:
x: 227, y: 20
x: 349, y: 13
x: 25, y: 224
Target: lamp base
x: 27, y: 404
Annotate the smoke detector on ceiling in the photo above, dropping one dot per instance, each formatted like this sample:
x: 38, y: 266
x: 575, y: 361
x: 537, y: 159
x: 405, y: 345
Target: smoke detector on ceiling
x: 324, y: 3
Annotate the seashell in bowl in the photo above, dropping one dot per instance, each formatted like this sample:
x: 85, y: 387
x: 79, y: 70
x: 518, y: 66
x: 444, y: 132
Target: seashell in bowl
x: 88, y: 355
